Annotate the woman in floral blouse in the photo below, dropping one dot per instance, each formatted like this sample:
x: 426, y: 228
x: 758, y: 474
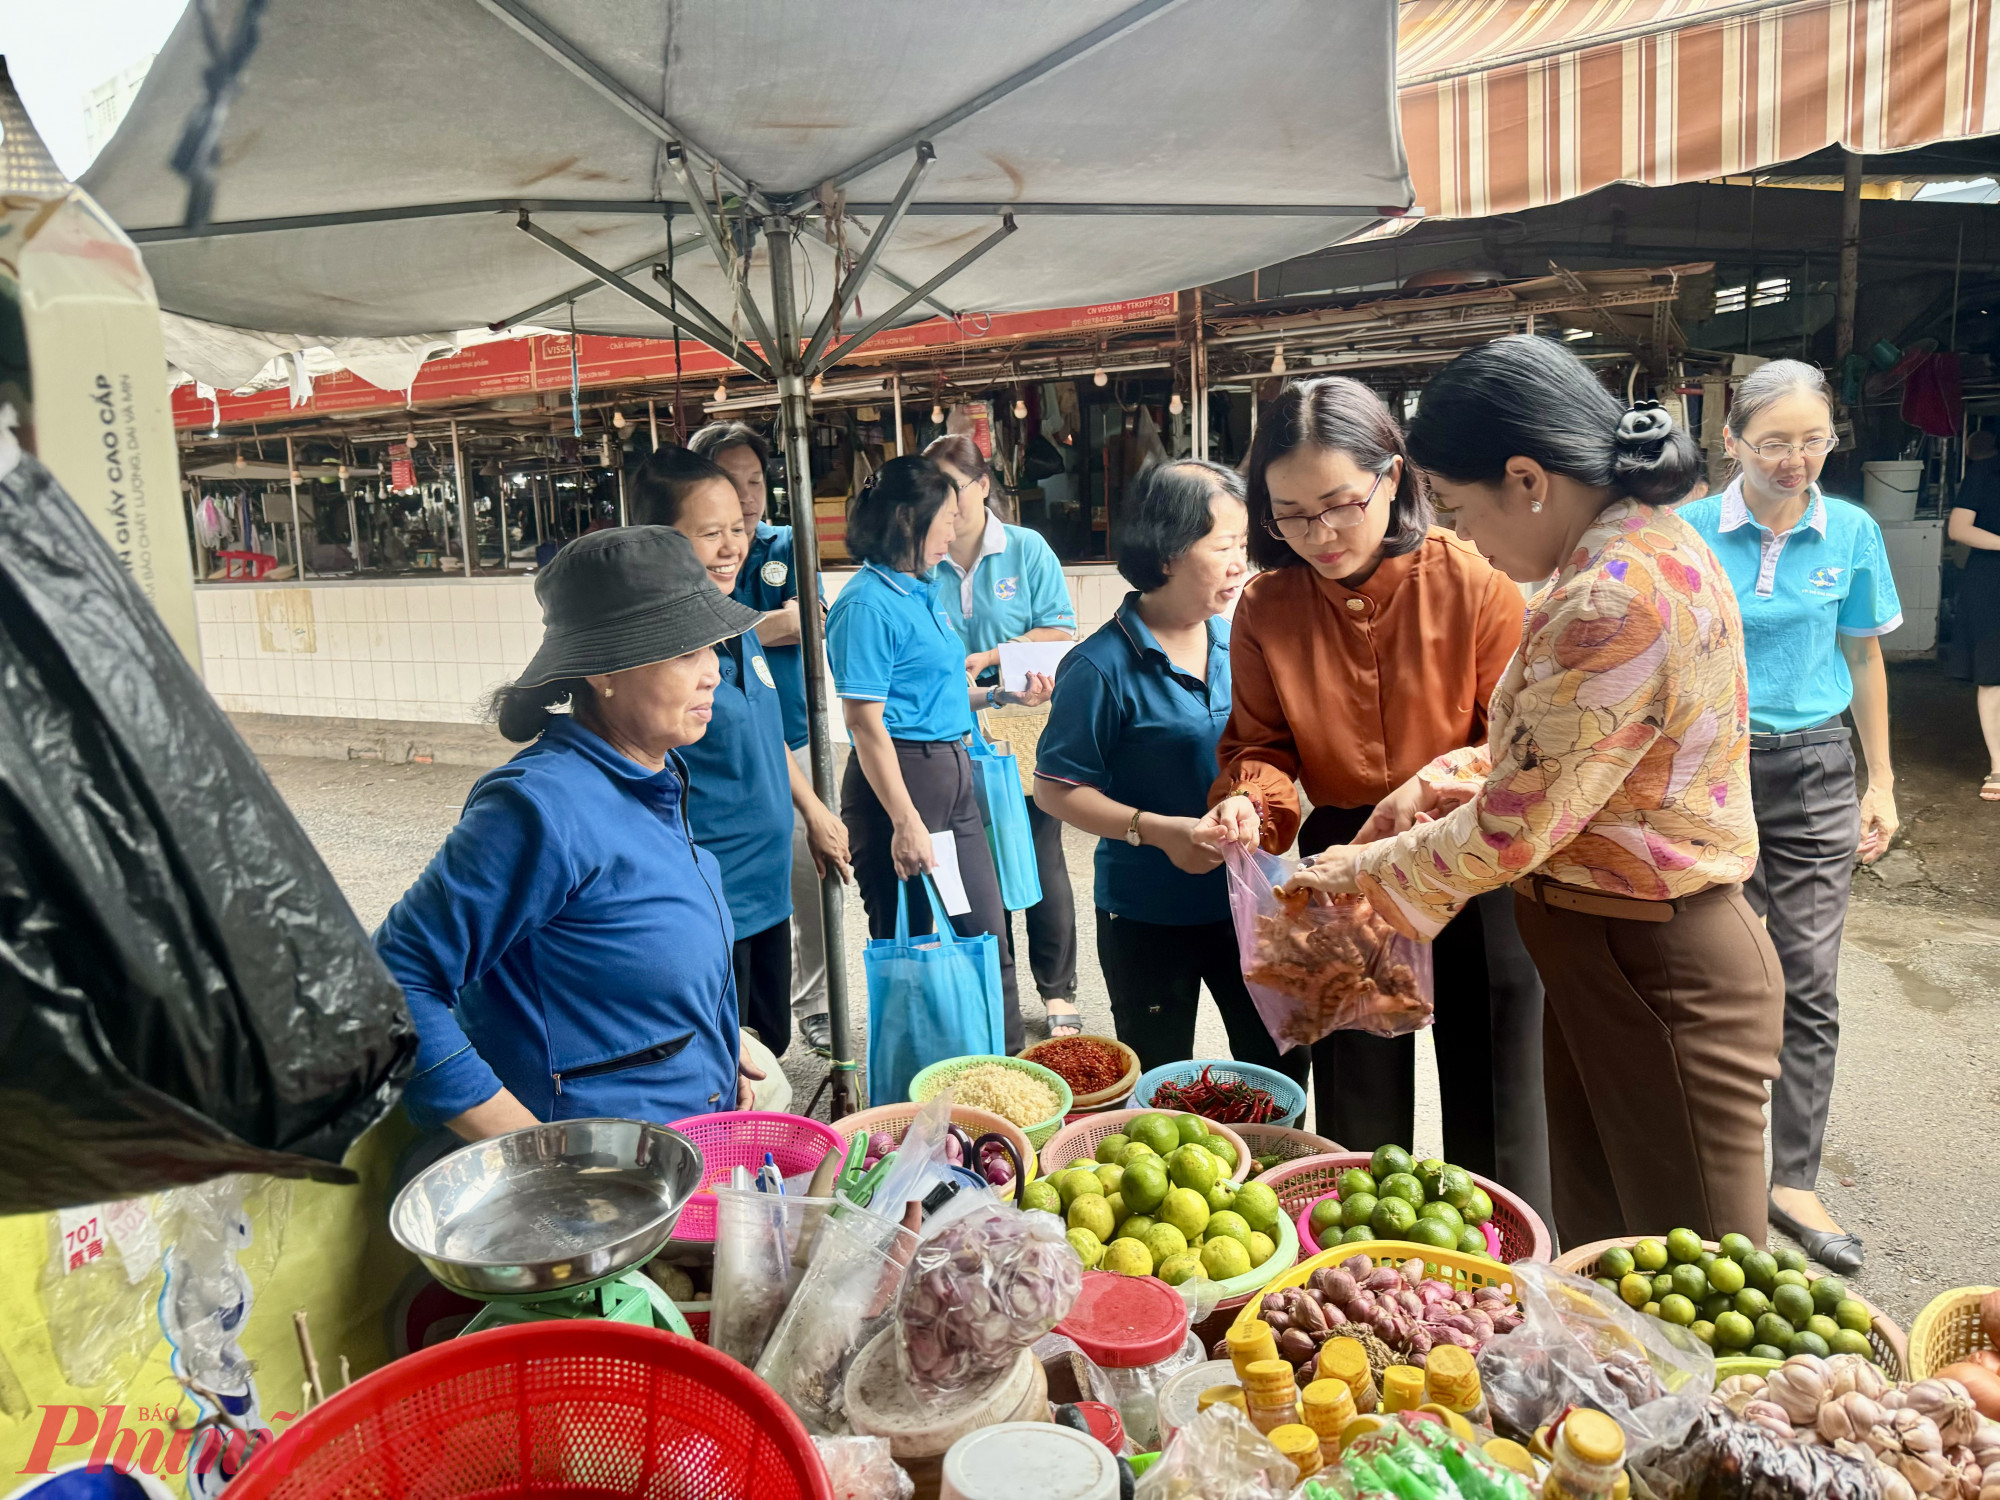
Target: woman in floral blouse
x: 1613, y: 795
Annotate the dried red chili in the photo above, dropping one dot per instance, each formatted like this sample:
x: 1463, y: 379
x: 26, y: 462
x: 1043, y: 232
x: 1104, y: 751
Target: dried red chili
x: 1227, y: 1102
x: 1088, y: 1067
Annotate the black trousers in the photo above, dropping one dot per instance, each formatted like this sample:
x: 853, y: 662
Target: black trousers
x: 1051, y: 922
x: 938, y: 776
x: 1488, y: 1035
x: 763, y: 964
x: 1155, y: 974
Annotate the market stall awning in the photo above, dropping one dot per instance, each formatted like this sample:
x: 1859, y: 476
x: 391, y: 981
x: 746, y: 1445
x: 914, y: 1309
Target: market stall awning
x: 1512, y: 104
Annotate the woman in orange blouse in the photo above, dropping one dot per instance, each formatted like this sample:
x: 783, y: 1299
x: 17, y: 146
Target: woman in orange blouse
x: 1613, y: 795
x: 1368, y: 647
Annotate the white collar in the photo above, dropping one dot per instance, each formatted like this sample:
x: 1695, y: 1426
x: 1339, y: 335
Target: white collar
x: 1736, y: 510
x: 886, y: 576
x: 992, y: 542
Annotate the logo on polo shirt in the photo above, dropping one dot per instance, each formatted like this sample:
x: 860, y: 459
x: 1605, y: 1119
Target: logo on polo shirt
x: 763, y: 669
x: 773, y: 573
x: 1825, y: 578
x: 1006, y: 588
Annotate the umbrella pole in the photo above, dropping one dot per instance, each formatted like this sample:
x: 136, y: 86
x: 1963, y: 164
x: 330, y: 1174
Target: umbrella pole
x: 464, y: 505
x: 298, y: 535
x: 895, y: 395
x: 785, y: 354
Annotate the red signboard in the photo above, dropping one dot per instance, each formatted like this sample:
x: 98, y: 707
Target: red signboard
x: 513, y: 367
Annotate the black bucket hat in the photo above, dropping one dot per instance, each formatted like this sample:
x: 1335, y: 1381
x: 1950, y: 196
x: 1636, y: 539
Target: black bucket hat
x: 627, y: 597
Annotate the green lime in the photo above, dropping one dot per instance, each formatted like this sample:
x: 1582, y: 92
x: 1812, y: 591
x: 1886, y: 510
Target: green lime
x: 1192, y: 1167
x: 1119, y: 1212
x: 1230, y: 1225
x: 1357, y: 1234
x: 1157, y: 1131
x: 1092, y: 1211
x: 1792, y: 1303
x: 1690, y: 1283
x: 1456, y: 1187
x: 1429, y: 1171
x: 1353, y: 1181
x: 1792, y: 1278
x: 1224, y: 1256
x: 1109, y: 1176
x: 1822, y: 1325
x: 1848, y: 1341
x: 1649, y: 1256
x: 1706, y: 1259
x: 1734, y: 1331
x: 1134, y: 1151
x: 1089, y: 1249
x: 1651, y: 1309
x: 1760, y: 1270
x: 1082, y: 1164
x: 1792, y: 1260
x: 1392, y: 1218
x: 1127, y: 1257
x: 1663, y: 1285
x: 1617, y: 1261
x: 1191, y: 1127
x: 1403, y: 1185
x: 1805, y: 1341
x: 1042, y: 1194
x: 1183, y: 1267
x: 1737, y: 1246
x: 1636, y: 1289
x: 1221, y: 1196
x: 1608, y: 1284
x: 1144, y: 1184
x: 1444, y: 1213
x: 1432, y: 1232
x: 1702, y: 1329
x: 1684, y: 1245
x: 1677, y: 1309
x: 1726, y: 1275
x: 1752, y: 1303
x: 1359, y: 1209
x: 1112, y: 1148
x: 1852, y: 1315
x: 1186, y: 1210
x: 1163, y: 1242
x: 1715, y: 1304
x: 1766, y: 1351
x: 1259, y: 1206
x: 1480, y: 1209
x: 1772, y: 1329
x: 1828, y: 1293
x: 1218, y: 1147
x: 1472, y: 1242
x: 1325, y: 1213
x: 1334, y: 1236
x: 1262, y: 1248
x: 1388, y: 1159
x: 1077, y: 1183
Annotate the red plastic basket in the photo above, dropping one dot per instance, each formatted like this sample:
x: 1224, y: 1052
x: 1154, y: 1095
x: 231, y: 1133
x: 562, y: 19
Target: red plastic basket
x: 573, y: 1410
x: 740, y: 1138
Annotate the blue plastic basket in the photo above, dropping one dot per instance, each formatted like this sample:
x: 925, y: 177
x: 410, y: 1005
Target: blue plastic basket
x: 1289, y: 1096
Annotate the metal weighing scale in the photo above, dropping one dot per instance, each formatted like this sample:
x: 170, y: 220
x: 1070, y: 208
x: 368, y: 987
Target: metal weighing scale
x: 554, y: 1221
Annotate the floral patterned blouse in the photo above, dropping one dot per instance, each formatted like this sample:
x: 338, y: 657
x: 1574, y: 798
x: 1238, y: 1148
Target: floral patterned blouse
x: 1619, y: 753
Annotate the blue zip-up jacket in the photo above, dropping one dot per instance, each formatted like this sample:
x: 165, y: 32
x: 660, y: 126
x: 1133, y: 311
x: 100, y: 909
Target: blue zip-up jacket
x: 570, y: 943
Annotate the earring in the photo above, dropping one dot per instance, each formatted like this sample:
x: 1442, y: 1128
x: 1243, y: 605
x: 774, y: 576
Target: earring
x: 1535, y: 506
x: 607, y: 690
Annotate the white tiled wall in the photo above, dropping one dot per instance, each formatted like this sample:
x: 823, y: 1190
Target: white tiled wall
x: 426, y: 651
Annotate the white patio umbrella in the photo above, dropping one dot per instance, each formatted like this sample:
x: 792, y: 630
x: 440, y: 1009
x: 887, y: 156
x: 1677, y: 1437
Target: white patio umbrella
x: 388, y: 169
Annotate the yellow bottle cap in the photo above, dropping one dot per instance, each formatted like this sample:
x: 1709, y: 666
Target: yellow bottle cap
x: 1452, y: 1377
x: 1293, y: 1439
x: 1267, y: 1375
x: 1329, y: 1406
x: 1511, y: 1455
x: 1225, y: 1395
x: 1254, y: 1334
x: 1541, y: 1447
x: 1344, y: 1359
x: 1359, y: 1428
x: 1594, y: 1437
x: 1402, y: 1388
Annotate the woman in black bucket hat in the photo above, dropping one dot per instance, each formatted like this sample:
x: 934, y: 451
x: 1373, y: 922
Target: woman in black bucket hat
x: 567, y: 952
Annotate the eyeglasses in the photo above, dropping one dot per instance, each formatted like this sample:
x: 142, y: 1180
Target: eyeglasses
x: 1817, y: 447
x: 1333, y: 518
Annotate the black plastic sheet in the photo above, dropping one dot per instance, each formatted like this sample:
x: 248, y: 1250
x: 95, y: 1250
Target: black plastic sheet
x: 184, y: 991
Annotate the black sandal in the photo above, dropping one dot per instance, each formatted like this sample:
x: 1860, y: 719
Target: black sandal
x: 1064, y: 1022
x: 1838, y: 1251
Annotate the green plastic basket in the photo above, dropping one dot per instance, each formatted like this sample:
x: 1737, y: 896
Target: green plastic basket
x: 932, y: 1079
x: 1727, y: 1365
x: 1258, y: 1277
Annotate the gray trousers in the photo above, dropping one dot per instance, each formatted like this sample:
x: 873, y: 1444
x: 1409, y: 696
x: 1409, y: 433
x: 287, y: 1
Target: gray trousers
x: 1808, y: 829
x: 1051, y: 922
x: 808, y: 922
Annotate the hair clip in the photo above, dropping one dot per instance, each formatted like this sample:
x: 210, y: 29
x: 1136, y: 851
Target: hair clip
x: 1645, y: 424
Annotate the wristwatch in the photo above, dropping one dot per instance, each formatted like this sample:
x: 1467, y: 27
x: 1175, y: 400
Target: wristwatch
x: 1132, y: 831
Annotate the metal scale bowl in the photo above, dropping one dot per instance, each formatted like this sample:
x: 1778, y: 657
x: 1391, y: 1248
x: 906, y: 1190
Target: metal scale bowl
x: 553, y: 1221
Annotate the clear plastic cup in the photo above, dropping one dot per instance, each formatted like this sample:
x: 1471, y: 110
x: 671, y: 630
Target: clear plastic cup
x: 762, y: 1248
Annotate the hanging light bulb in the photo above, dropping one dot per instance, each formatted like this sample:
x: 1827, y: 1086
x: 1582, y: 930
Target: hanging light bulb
x: 1278, y: 360
x: 296, y: 476
x: 618, y: 419
x: 722, y: 390
x: 1020, y: 409
x: 1174, y: 403
x: 344, y: 471
x: 819, y: 385
x: 410, y: 441
x: 937, y: 415
x: 1098, y: 377
x: 239, y: 458
x: 604, y: 449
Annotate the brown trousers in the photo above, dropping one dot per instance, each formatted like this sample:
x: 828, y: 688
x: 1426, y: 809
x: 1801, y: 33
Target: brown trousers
x: 1659, y: 1042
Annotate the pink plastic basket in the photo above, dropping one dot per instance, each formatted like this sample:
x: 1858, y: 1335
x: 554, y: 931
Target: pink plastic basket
x: 740, y: 1138
x: 1300, y: 1184
x: 1306, y: 1234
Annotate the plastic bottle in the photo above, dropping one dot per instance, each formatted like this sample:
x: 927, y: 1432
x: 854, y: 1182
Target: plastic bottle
x: 1250, y: 1342
x: 1300, y: 1444
x: 1272, y: 1393
x: 1328, y: 1406
x: 1402, y: 1388
x: 1587, y: 1457
x: 1451, y: 1379
x: 1344, y: 1359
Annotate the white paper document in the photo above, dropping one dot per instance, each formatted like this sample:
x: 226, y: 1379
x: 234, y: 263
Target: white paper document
x: 1019, y: 658
x: 950, y: 884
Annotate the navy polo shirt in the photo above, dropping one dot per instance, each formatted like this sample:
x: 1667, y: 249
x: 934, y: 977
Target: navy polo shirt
x: 1130, y: 723
x: 740, y: 789
x: 767, y: 583
x: 890, y: 642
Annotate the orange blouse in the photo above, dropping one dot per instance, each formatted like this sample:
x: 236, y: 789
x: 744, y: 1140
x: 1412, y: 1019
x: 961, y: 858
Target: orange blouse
x: 1352, y: 691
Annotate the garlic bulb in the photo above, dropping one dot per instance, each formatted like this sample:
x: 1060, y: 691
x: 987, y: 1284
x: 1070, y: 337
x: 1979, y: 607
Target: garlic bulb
x: 1739, y: 1390
x: 1849, y: 1418
x: 1846, y: 1373
x: 1916, y: 1432
x: 1799, y: 1387
x: 1894, y: 1485
x: 1770, y: 1417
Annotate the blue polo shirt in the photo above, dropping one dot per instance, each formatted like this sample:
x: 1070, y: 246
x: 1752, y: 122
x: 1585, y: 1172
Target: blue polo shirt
x: 766, y: 583
x: 1015, y: 586
x: 889, y: 641
x: 1130, y: 723
x: 740, y: 789
x: 1799, y: 591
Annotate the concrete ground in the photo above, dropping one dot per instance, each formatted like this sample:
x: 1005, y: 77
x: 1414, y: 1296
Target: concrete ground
x: 1920, y: 986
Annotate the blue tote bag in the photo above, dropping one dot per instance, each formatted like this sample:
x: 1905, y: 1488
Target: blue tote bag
x: 929, y: 998
x: 996, y: 779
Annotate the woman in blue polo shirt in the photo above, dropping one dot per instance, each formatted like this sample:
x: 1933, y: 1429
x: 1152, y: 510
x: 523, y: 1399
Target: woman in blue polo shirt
x: 899, y: 671
x: 1812, y: 580
x: 1129, y: 755
x: 743, y: 785
x: 1003, y: 583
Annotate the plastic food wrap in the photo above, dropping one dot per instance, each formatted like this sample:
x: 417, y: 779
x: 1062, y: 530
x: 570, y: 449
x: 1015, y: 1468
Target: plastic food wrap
x: 762, y: 1245
x: 1415, y: 1456
x: 1724, y: 1458
x: 1581, y: 1346
x: 1315, y: 965
x: 1219, y: 1456
x: 861, y: 1468
x: 981, y: 1287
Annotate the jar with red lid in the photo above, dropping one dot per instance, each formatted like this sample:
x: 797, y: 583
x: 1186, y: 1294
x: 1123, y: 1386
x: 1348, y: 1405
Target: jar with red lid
x: 1134, y: 1332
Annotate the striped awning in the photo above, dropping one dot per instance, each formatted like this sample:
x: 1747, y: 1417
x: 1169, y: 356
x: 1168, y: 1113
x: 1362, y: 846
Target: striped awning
x: 1512, y: 104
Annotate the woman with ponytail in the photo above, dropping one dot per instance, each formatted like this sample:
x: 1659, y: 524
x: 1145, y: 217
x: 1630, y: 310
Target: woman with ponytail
x: 1613, y: 795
